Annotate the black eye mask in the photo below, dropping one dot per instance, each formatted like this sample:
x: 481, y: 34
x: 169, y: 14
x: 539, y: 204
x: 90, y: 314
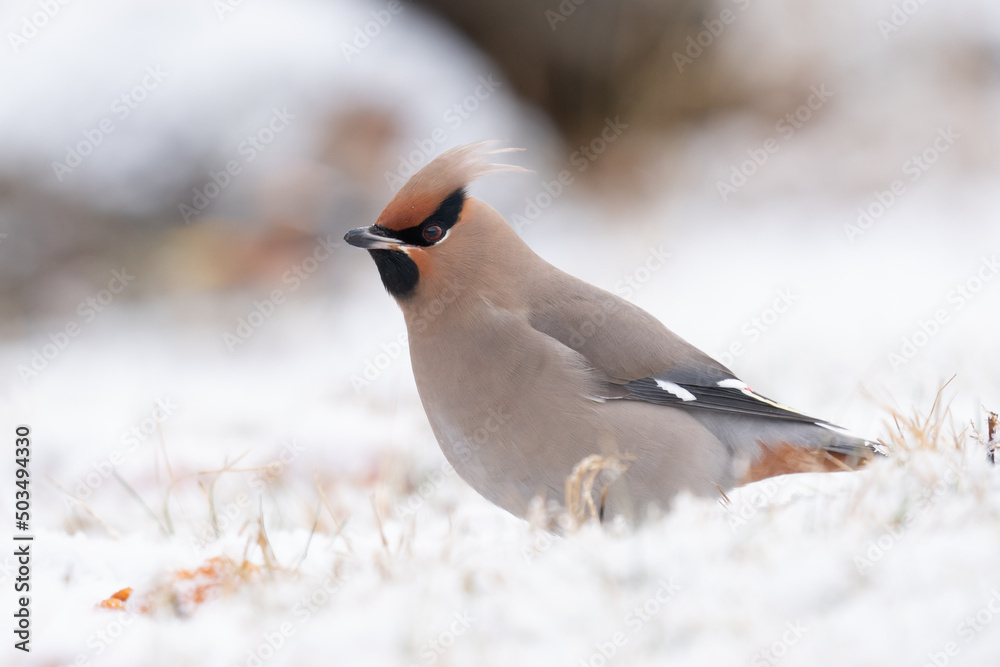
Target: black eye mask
x: 444, y: 217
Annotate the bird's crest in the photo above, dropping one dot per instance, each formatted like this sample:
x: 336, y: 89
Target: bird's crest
x: 451, y: 171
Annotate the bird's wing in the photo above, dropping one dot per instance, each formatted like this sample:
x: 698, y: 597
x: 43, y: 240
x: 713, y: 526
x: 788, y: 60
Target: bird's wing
x: 633, y: 349
x: 618, y: 338
x: 645, y: 361
x: 726, y: 395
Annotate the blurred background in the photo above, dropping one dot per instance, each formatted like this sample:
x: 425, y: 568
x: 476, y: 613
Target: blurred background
x: 822, y: 179
x: 176, y: 178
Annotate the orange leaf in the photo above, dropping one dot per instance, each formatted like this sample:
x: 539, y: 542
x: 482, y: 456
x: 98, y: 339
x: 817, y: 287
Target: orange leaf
x: 117, y: 600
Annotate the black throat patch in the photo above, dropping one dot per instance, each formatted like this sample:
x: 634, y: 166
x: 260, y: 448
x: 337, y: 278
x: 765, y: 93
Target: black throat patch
x: 399, y: 273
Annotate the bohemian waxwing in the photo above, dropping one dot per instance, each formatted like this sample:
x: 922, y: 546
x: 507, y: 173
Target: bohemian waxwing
x: 526, y: 372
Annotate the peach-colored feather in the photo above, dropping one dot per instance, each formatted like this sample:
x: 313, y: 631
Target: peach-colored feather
x: 784, y: 458
x: 426, y: 189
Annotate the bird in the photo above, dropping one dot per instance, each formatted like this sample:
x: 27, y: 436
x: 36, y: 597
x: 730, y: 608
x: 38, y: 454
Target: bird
x: 542, y: 388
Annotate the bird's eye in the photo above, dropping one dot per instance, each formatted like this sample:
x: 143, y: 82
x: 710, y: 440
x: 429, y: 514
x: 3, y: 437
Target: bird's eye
x: 433, y: 233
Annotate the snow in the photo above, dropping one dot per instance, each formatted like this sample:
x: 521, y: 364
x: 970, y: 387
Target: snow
x: 883, y: 566
x: 837, y: 557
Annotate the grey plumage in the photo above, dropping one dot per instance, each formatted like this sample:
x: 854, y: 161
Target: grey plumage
x: 524, y: 370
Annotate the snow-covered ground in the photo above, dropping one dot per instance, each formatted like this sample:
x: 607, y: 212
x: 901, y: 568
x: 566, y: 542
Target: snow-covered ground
x: 167, y: 434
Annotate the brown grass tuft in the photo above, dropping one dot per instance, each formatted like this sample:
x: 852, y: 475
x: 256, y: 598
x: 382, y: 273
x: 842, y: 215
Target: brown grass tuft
x: 912, y: 431
x: 580, y: 485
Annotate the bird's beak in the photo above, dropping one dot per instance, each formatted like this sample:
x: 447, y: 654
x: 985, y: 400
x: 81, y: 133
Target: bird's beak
x: 365, y: 237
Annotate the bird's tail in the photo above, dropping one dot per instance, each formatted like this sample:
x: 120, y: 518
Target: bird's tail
x: 819, y: 447
x: 766, y: 446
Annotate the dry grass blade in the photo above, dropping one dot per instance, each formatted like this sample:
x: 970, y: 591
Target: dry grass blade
x: 922, y: 431
x: 336, y: 522
x: 378, y: 520
x: 937, y: 402
x: 208, y: 489
x: 93, y: 515
x: 228, y: 467
x: 209, y: 493
x: 312, y: 531
x: 270, y: 560
x: 170, y: 473
x: 142, y: 503
x: 580, y: 484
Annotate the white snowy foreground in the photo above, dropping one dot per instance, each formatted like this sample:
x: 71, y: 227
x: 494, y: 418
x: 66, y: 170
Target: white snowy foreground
x: 192, y: 469
x: 891, y: 566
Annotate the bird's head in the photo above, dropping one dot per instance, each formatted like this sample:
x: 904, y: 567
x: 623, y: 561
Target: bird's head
x: 430, y: 227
